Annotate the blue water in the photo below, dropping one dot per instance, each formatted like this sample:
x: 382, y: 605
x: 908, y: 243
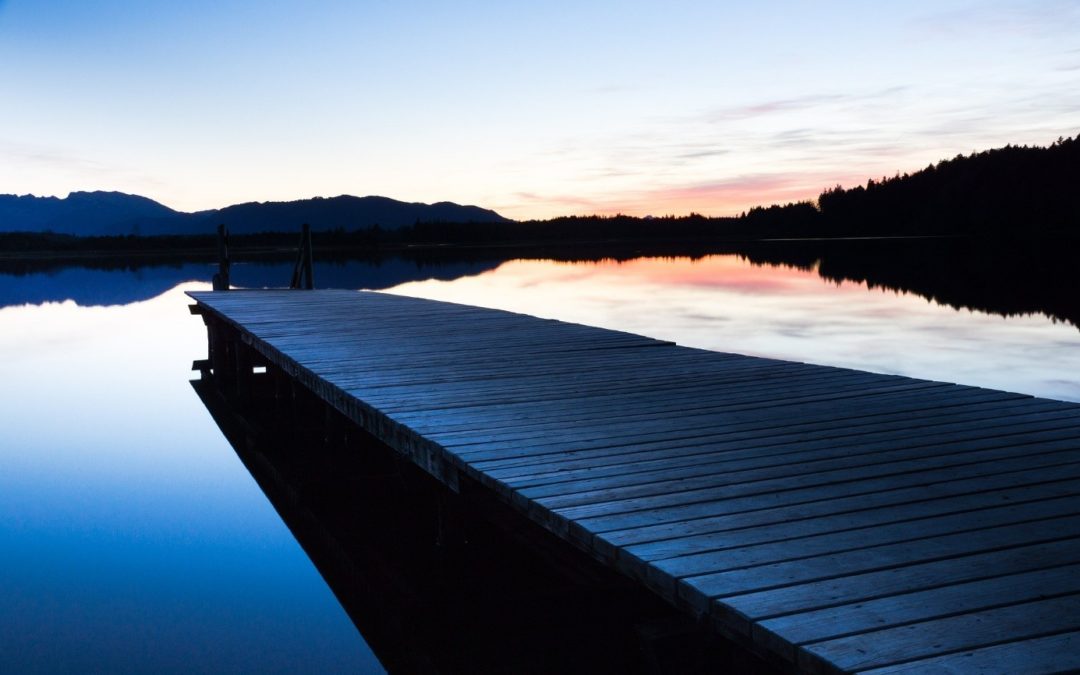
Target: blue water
x: 133, y: 540
x: 131, y: 537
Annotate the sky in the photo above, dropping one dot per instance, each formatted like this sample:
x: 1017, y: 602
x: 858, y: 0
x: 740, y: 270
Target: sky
x: 532, y: 109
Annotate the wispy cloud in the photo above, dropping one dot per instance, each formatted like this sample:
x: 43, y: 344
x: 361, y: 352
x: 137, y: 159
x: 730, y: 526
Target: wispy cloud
x: 741, y: 112
x: 564, y: 199
x: 1037, y: 18
x: 795, y: 104
x: 699, y: 154
x: 52, y: 158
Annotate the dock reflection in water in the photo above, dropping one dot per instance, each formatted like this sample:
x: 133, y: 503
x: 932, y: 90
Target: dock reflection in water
x: 443, y: 582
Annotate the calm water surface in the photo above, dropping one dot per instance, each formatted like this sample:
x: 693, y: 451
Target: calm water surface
x: 723, y: 303
x: 133, y: 539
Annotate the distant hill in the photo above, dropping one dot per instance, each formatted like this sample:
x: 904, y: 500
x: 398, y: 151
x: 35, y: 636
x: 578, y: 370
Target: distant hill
x: 82, y: 213
x: 345, y: 212
x: 117, y: 213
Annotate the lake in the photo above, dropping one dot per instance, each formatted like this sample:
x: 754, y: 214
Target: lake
x: 133, y: 539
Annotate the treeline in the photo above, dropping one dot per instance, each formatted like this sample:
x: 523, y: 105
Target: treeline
x: 1014, y: 191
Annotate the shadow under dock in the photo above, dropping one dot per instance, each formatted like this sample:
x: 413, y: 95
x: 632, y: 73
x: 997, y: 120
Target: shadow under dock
x: 438, y: 581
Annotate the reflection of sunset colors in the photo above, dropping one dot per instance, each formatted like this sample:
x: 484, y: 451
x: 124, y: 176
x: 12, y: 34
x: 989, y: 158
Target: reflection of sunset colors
x: 727, y: 304
x: 721, y: 272
x: 727, y: 271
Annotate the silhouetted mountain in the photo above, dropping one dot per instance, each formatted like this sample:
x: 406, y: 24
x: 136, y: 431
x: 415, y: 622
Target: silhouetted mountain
x: 116, y: 213
x: 344, y: 213
x: 83, y: 213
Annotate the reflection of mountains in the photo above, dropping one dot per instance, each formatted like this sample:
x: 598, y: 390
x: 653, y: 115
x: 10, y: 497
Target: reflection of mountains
x: 994, y: 276
x: 999, y: 277
x: 124, y: 282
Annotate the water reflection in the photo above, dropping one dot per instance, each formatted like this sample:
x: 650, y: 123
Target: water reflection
x: 963, y: 310
x: 122, y: 282
x: 131, y: 539
x: 725, y: 303
x: 1008, y: 278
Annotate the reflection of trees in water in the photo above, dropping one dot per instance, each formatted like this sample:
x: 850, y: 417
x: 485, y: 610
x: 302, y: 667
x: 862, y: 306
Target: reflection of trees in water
x: 1006, y: 277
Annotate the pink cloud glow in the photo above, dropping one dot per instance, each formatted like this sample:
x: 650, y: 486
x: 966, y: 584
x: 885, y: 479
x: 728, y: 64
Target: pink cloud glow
x: 717, y: 198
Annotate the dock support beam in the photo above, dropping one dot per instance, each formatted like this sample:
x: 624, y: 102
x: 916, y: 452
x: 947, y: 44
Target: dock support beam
x: 302, y: 276
x: 221, y: 279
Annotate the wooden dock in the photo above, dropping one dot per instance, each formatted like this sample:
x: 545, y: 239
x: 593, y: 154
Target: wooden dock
x: 828, y: 519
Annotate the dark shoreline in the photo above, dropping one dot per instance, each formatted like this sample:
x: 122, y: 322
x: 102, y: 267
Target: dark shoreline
x: 1008, y: 276
x: 76, y: 249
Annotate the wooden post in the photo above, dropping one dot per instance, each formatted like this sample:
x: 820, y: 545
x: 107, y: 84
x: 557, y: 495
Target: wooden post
x: 242, y: 370
x: 221, y: 279
x: 309, y: 282
x: 302, y: 271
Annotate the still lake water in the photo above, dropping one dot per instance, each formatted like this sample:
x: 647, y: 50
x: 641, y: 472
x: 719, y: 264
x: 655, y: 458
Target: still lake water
x: 132, y: 539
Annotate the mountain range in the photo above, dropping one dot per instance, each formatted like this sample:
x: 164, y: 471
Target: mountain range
x: 117, y: 213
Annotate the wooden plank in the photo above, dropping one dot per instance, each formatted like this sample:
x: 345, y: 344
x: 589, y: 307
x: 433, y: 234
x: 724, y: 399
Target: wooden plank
x: 973, y: 456
x: 891, y: 646
x: 660, y: 541
x: 698, y: 391
x: 684, y: 419
x: 918, y: 606
x: 692, y: 563
x: 1050, y: 654
x: 430, y: 394
x: 850, y: 407
x: 855, y: 587
x: 671, y: 454
x: 755, y: 422
x: 1044, y: 464
x: 860, y: 397
x: 793, y: 458
x: 700, y: 590
x: 556, y: 429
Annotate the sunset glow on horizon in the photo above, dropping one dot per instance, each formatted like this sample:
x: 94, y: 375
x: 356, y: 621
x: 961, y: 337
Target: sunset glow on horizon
x: 535, y: 111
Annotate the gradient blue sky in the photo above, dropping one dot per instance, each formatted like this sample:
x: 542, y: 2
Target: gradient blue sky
x: 534, y: 109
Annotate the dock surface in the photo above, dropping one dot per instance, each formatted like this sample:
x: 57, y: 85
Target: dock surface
x: 832, y: 520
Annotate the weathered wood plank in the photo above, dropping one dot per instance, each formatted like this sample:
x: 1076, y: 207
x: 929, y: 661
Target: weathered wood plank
x: 847, y: 589
x: 878, y: 535
x: 671, y: 454
x: 889, y: 646
x: 910, y: 608
x: 870, y: 517
x: 802, y: 458
x: 1044, y: 655
x: 1044, y: 464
